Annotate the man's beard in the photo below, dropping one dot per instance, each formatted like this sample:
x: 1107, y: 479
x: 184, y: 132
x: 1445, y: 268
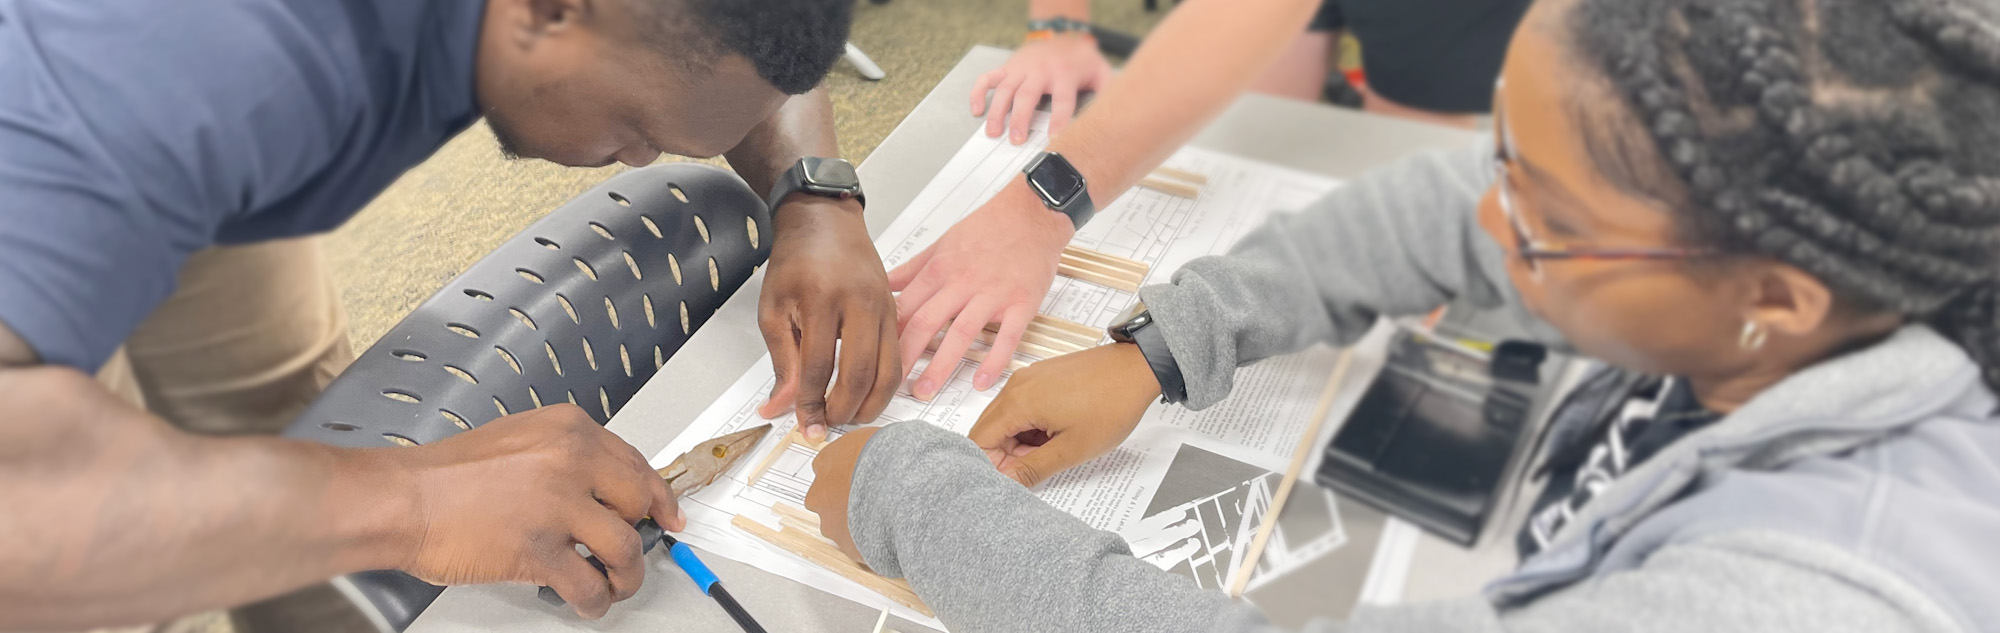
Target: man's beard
x: 510, y: 145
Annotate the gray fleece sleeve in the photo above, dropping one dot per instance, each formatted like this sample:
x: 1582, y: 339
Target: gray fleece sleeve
x: 1400, y: 240
x: 988, y: 556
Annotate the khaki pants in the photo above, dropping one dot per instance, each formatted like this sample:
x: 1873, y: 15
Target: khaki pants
x: 248, y: 340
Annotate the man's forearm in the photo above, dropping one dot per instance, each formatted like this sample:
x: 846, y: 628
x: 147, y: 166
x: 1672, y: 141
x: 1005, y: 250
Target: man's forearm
x: 1189, y: 68
x: 803, y: 127
x: 109, y: 516
x: 1048, y: 9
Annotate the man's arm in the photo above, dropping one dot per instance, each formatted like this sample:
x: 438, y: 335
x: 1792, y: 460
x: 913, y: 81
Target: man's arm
x: 1048, y: 9
x: 112, y: 517
x: 825, y: 282
x: 109, y: 516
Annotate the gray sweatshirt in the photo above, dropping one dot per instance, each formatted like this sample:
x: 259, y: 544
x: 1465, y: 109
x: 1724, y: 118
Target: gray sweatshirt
x: 1861, y: 494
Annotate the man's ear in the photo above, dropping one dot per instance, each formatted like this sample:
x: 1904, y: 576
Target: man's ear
x: 1789, y: 301
x: 543, y: 17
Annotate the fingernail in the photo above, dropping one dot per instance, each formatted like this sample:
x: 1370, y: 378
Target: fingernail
x: 982, y: 382
x: 680, y: 519
x: 926, y: 389
x: 815, y: 432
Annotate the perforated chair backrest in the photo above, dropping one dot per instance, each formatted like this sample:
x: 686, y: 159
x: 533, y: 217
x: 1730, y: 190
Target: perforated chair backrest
x: 583, y: 306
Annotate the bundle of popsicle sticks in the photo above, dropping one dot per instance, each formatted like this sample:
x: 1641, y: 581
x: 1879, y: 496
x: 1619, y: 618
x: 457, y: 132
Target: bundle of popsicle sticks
x: 1175, y: 182
x: 799, y: 534
x: 1110, y: 271
x: 1046, y: 337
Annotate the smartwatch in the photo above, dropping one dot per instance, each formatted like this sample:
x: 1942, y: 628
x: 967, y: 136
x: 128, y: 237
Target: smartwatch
x: 1061, y: 187
x: 828, y: 177
x: 1136, y: 326
x: 1059, y: 24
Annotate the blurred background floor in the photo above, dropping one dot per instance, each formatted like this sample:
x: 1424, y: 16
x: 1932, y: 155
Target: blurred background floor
x: 462, y: 203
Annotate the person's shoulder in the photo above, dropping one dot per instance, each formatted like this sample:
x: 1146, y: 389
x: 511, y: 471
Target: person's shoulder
x: 199, y: 99
x: 125, y: 59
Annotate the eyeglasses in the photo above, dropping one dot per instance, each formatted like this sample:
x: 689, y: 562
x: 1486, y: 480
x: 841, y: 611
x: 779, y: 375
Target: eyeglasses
x: 1531, y: 250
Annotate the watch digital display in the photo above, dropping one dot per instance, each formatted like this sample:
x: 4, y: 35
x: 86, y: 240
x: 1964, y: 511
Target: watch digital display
x: 831, y: 173
x: 1057, y: 179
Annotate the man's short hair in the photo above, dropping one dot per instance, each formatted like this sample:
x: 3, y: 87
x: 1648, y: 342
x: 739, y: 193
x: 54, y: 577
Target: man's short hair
x: 792, y: 43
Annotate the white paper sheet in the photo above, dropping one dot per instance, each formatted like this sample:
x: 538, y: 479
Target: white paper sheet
x: 1188, y: 489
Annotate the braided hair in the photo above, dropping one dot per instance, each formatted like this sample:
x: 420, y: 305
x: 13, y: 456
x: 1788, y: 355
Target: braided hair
x: 1858, y: 140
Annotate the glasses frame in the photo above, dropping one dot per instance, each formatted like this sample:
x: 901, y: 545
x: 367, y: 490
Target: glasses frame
x: 1533, y: 251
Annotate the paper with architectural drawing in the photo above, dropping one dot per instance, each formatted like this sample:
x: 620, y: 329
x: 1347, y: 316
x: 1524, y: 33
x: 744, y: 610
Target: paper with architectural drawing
x: 1188, y: 490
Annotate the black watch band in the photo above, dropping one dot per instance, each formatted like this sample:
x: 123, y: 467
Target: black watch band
x: 826, y: 177
x: 1059, y: 24
x: 1152, y: 341
x: 1152, y: 344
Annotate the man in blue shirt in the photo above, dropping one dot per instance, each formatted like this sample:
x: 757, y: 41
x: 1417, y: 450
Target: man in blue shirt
x: 144, y: 147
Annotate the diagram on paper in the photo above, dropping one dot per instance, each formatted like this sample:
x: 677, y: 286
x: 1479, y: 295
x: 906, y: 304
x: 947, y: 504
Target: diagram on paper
x: 1209, y: 507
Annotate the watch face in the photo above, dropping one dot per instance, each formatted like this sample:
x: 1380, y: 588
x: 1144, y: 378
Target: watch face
x: 1058, y: 181
x: 831, y: 173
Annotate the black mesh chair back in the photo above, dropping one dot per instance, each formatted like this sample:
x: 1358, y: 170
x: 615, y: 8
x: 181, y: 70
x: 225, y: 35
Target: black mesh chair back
x: 582, y: 307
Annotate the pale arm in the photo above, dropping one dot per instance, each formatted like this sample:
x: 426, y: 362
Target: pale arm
x: 995, y: 265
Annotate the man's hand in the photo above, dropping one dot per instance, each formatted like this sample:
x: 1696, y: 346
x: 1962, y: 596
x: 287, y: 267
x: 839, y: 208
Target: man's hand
x: 1065, y: 411
x: 996, y: 264
x: 116, y: 518
x: 1060, y: 67
x: 510, y: 500
x: 833, y: 484
x: 826, y: 284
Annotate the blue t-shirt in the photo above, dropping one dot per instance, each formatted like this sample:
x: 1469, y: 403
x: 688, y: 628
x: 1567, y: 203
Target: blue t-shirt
x: 134, y: 133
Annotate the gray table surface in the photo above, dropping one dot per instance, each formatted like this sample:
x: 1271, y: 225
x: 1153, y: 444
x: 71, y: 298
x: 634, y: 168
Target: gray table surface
x: 1310, y: 138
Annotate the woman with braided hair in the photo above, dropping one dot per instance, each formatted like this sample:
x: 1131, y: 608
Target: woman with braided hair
x: 1777, y: 222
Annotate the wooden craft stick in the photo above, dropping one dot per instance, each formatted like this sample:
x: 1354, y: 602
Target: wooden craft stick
x: 1241, y: 577
x: 795, y: 513
x: 1059, y: 329
x: 1088, y: 336
x: 1031, y: 348
x: 1099, y: 279
x: 783, y: 445
x: 1096, y: 266
x: 826, y: 555
x: 1182, y: 175
x: 794, y: 525
x: 979, y: 356
x: 1171, y: 188
x: 882, y: 621
x: 1031, y: 345
x: 1107, y: 259
x: 1058, y: 323
x: 1037, y: 347
x: 1109, y: 270
x: 1038, y: 344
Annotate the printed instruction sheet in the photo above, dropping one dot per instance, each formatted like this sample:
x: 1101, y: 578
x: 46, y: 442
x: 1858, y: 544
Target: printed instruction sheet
x: 1188, y: 490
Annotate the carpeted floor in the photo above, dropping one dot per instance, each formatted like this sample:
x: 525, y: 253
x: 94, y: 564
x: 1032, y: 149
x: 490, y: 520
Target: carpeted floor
x: 454, y: 208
